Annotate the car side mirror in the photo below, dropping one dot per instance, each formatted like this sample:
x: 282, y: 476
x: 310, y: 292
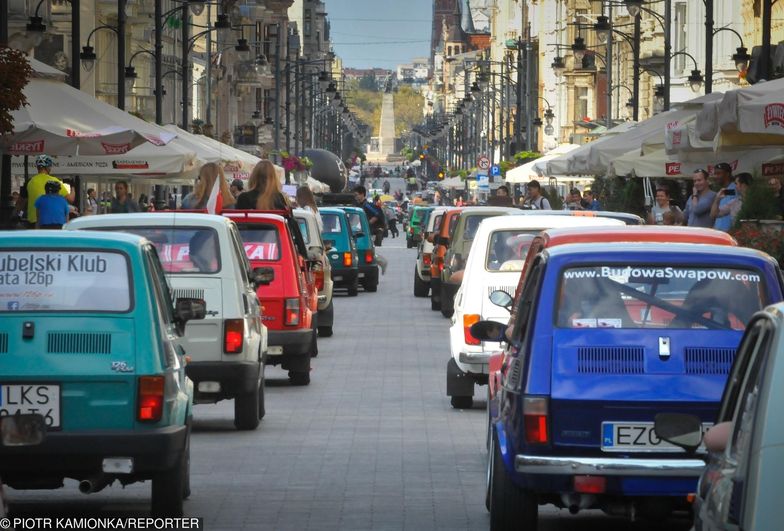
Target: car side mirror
x: 680, y: 429
x: 314, y: 254
x: 22, y: 430
x: 187, y: 309
x: 328, y: 244
x: 263, y: 276
x: 502, y: 299
x: 488, y: 331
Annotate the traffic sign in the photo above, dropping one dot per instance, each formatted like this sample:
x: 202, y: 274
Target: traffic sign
x: 495, y: 170
x: 483, y: 163
x: 483, y: 182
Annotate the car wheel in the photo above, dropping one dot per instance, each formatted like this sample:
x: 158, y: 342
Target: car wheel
x: 435, y: 302
x: 421, y: 288
x: 169, y: 486
x: 353, y: 289
x: 372, y: 288
x: 262, y: 410
x: 447, y: 307
x: 510, y: 506
x: 325, y: 331
x: 299, y: 378
x: 314, y: 343
x: 462, y: 402
x: 246, y: 410
x: 409, y: 244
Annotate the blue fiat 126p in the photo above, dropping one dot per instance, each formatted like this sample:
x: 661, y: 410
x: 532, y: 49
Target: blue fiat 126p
x: 89, y: 340
x: 605, y: 337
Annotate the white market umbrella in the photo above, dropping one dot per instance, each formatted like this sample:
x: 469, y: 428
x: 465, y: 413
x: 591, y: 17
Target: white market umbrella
x: 659, y: 164
x: 533, y: 169
x: 237, y: 164
x: 61, y: 120
x: 452, y: 182
x: 564, y: 164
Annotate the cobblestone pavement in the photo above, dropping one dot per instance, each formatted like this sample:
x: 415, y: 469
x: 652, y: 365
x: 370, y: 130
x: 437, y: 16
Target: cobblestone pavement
x: 372, y: 443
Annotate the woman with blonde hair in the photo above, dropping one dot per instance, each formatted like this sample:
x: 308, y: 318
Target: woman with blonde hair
x: 264, y: 191
x: 201, y: 193
x: 306, y: 200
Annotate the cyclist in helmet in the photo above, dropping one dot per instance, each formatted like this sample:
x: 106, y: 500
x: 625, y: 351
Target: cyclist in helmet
x: 51, y: 208
x: 36, y: 187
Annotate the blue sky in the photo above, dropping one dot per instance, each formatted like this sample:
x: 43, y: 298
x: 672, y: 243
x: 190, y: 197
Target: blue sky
x: 382, y: 33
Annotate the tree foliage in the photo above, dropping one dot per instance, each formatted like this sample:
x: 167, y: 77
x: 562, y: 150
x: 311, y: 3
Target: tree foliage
x: 408, y: 109
x: 15, y: 73
x: 366, y: 104
x: 368, y: 82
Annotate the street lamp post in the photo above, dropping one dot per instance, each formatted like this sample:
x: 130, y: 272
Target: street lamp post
x: 36, y: 25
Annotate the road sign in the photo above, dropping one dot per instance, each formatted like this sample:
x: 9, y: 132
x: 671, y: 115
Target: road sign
x: 483, y: 163
x: 495, y: 170
x: 483, y: 182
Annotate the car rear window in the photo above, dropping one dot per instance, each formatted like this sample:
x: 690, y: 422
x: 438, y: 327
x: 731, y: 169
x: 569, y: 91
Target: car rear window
x: 437, y: 222
x: 508, y: 248
x: 57, y: 280
x: 304, y: 229
x: 658, y: 296
x: 261, y: 242
x: 471, y: 226
x: 417, y: 216
x: 181, y: 249
x: 331, y: 223
x: 355, y: 221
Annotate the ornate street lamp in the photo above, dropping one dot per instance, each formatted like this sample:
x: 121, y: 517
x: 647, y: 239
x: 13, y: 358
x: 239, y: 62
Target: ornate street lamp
x: 578, y: 49
x: 633, y: 7
x: 87, y: 58
x: 242, y: 48
x: 602, y: 28
x: 695, y: 81
x: 549, y: 116
x: 658, y: 99
x: 630, y: 106
x: 197, y: 6
x: 558, y: 66
x: 255, y: 118
x: 130, y: 78
x: 323, y: 80
x: 475, y: 88
x: 741, y: 59
x: 549, y: 130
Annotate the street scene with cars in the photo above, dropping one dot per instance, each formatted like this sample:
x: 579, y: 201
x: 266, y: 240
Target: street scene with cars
x: 526, y: 274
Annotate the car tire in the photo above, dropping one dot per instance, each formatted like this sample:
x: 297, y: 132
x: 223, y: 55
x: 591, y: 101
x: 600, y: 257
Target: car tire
x: 510, y: 506
x: 409, y: 244
x: 447, y: 306
x: 421, y: 288
x: 462, y: 402
x: 299, y: 378
x: 186, y: 482
x: 246, y: 410
x: 371, y: 288
x: 325, y: 331
x: 168, y: 487
x: 314, y: 343
x: 353, y: 289
x: 435, y: 303
x: 262, y: 408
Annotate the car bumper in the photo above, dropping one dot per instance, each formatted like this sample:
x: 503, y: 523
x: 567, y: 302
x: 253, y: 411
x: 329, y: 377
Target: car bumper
x: 609, y: 466
x: 235, y: 378
x: 479, y: 358
x: 80, y: 454
x: 293, y: 342
x: 344, y: 277
x: 369, y: 272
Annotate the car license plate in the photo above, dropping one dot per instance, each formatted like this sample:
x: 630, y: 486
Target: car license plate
x: 275, y: 351
x: 43, y: 399
x: 635, y: 437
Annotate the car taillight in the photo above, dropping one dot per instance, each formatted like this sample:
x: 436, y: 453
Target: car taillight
x: 233, y: 335
x: 347, y: 259
x: 150, y: 398
x: 535, y: 411
x: 291, y: 315
x: 439, y: 263
x: 319, y: 280
x: 368, y: 257
x: 427, y: 259
x: 590, y: 484
x: 468, y: 320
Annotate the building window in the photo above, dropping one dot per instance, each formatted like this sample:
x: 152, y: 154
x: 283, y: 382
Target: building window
x: 580, y: 103
x: 306, y: 26
x: 679, y: 37
x: 449, y: 50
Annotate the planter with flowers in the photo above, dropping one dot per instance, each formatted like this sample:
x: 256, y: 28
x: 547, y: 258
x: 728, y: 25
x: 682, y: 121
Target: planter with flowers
x: 759, y: 227
x: 297, y: 166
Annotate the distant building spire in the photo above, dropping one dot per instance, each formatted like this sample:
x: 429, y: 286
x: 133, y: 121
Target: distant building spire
x: 468, y: 18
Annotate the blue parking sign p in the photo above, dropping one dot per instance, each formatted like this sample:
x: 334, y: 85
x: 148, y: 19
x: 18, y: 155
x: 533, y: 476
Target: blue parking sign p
x: 495, y: 170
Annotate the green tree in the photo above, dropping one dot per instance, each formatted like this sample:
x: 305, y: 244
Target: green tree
x: 368, y: 82
x: 408, y: 109
x: 15, y: 73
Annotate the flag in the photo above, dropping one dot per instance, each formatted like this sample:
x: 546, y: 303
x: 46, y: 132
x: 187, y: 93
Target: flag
x: 215, y: 202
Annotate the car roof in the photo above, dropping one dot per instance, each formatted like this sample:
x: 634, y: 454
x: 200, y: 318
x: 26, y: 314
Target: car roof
x: 332, y: 210
x: 490, y: 210
x: 544, y: 220
x: 76, y: 239
x: 643, y: 233
x: 251, y: 217
x: 172, y: 218
x: 304, y: 213
x: 352, y: 208
x: 609, y: 249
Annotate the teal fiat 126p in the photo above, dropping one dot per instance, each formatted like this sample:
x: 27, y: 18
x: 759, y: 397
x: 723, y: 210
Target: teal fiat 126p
x: 90, y: 340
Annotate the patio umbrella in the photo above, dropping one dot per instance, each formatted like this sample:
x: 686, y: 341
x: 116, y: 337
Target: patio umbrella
x: 569, y: 163
x: 237, y: 164
x: 533, y: 169
x: 659, y: 164
x: 61, y: 120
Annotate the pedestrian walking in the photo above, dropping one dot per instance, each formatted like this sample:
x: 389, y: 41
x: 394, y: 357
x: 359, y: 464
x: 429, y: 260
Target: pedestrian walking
x: 698, y: 206
x: 661, y: 207
x: 264, y: 191
x: 200, y: 196
x: 535, y: 198
x: 306, y: 200
x: 723, y: 174
x: 36, y: 186
x: 52, y: 208
x: 122, y: 203
x: 90, y: 203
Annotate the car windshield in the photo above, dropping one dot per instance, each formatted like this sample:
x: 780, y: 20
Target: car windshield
x: 471, y: 226
x: 331, y: 223
x: 417, y: 216
x: 355, y: 220
x: 437, y: 222
x: 303, y: 228
x: 658, y: 296
x: 261, y: 242
x: 181, y: 249
x: 57, y: 280
x: 508, y: 248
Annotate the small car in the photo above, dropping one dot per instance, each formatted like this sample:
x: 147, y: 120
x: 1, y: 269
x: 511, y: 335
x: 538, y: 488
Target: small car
x: 311, y: 233
x: 91, y: 340
x: 414, y: 231
x: 442, y: 233
x: 366, y: 250
x: 203, y: 258
x: 341, y: 249
x: 459, y: 244
x: 494, y: 263
x: 425, y: 253
x: 605, y: 337
x: 288, y: 314
x: 738, y: 488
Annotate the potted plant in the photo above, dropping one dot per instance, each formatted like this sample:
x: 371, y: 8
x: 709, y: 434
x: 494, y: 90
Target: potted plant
x: 299, y: 166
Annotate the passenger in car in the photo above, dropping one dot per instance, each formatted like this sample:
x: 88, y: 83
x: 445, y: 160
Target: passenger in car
x: 592, y: 303
x: 202, y: 251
